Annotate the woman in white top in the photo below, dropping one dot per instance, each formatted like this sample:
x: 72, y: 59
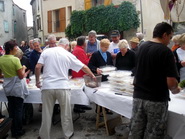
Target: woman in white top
x: 181, y: 57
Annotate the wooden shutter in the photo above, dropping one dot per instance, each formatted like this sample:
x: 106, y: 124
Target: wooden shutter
x: 49, y: 21
x: 62, y: 19
x: 87, y: 4
x: 107, y: 2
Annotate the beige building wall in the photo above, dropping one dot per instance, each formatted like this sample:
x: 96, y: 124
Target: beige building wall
x: 70, y: 5
x: 152, y: 14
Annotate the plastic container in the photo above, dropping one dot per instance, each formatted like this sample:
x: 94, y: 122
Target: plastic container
x: 90, y: 82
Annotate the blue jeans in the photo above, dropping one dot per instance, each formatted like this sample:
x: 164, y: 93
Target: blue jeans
x: 15, y: 109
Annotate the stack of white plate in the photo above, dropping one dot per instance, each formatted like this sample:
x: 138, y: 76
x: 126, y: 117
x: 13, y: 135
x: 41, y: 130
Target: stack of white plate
x: 121, y: 81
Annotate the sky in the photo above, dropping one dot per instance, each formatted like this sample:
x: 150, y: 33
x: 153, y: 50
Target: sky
x: 25, y: 4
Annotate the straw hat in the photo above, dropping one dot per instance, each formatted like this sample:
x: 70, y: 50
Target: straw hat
x: 134, y: 39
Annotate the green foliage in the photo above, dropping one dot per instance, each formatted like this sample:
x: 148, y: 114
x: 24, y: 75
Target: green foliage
x: 128, y: 17
x: 76, y: 26
x: 103, y: 19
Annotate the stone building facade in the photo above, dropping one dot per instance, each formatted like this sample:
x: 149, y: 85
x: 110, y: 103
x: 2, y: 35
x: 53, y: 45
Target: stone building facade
x: 13, y: 23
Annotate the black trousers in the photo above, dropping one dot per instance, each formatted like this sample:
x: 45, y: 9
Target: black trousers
x: 15, y: 109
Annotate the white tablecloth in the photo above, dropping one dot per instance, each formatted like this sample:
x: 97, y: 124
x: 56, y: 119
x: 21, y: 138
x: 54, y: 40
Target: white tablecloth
x: 122, y: 105
x: 77, y: 95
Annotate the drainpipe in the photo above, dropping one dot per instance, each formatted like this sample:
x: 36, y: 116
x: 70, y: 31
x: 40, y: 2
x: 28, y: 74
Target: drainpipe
x: 141, y: 9
x: 42, y: 22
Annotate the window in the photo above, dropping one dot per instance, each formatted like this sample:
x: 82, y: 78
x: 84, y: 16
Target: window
x: 2, y: 6
x: 15, y: 26
x: 88, y: 4
x: 35, y: 29
x: 6, y: 29
x: 107, y: 2
x: 69, y: 13
x: 62, y: 19
x: 13, y: 10
x: 38, y: 23
x: 56, y: 21
x: 49, y: 21
x: 97, y: 2
x: 24, y: 17
x: 38, y: 7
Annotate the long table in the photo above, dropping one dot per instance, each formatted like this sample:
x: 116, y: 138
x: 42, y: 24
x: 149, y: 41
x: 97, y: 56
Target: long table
x: 77, y: 94
x: 122, y: 104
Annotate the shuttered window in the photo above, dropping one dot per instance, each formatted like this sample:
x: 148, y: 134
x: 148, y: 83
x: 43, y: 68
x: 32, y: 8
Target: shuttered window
x: 49, y: 21
x: 62, y: 19
x: 107, y: 2
x: 87, y: 4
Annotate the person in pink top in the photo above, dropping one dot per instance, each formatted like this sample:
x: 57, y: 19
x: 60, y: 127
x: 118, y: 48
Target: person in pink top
x: 79, y: 52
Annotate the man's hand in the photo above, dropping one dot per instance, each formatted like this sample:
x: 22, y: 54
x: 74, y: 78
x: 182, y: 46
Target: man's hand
x: 183, y: 63
x: 173, y: 85
x: 38, y: 84
x: 99, y: 71
x: 177, y: 90
x: 89, y: 55
x: 113, y: 55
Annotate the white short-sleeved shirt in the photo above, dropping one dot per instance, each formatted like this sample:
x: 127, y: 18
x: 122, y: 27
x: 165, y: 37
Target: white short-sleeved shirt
x: 113, y: 48
x: 181, y: 56
x: 57, y: 62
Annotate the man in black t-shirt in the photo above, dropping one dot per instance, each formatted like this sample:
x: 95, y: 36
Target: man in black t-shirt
x: 155, y: 74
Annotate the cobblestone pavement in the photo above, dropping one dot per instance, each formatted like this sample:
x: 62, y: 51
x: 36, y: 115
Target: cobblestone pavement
x: 84, y: 127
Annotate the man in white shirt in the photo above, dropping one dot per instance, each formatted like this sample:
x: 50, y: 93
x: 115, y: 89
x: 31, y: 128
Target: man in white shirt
x: 63, y: 42
x: 57, y: 61
x: 113, y: 47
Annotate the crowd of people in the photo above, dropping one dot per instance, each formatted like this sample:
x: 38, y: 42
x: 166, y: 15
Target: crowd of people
x: 152, y: 63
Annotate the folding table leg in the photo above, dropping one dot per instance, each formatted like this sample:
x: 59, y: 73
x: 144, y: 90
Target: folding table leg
x: 98, y: 117
x: 105, y: 120
x: 104, y: 123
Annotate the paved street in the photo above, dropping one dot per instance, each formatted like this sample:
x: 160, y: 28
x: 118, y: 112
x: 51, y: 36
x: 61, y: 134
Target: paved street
x: 84, y: 127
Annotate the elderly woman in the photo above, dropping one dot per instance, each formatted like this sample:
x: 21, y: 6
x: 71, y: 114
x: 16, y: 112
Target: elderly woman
x: 73, y: 44
x: 101, y: 58
x: 125, y: 59
x: 175, y: 40
x: 14, y: 87
x: 24, y: 61
x: 180, y: 57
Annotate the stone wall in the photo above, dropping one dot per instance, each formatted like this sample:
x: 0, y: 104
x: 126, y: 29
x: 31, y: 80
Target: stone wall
x: 6, y: 18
